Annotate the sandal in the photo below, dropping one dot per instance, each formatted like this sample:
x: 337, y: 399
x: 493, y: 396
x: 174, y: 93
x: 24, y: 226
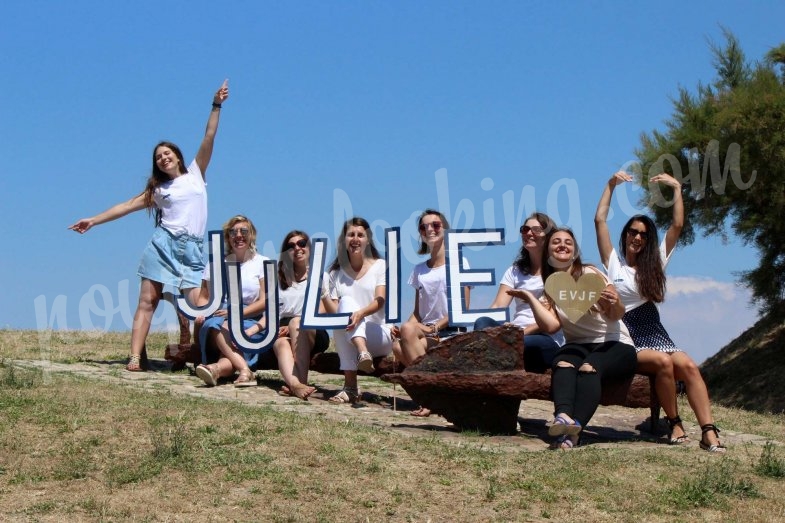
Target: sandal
x: 134, y: 363
x: 564, y: 442
x: 365, y: 362
x: 673, y: 423
x: 206, y: 374
x: 347, y: 395
x: 708, y: 447
x: 245, y: 379
x: 422, y: 412
x: 562, y: 427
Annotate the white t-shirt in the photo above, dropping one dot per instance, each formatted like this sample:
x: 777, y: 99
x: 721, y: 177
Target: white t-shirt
x: 523, y: 315
x: 592, y: 327
x: 183, y: 203
x: 431, y: 287
x: 623, y: 278
x: 290, y: 300
x: 363, y: 291
x: 251, y: 272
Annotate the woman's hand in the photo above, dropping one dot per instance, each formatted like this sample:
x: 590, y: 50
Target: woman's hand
x: 283, y: 331
x: 619, y: 177
x: 354, y: 320
x: 83, y: 225
x: 222, y: 93
x: 666, y: 179
x: 221, y: 313
x: 522, y: 294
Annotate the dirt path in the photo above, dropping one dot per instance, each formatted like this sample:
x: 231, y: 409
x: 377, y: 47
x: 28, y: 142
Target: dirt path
x: 384, y: 406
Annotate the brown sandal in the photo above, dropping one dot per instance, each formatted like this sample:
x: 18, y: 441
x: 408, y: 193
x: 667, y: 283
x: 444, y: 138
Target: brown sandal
x: 245, y: 379
x: 207, y: 374
x: 134, y: 364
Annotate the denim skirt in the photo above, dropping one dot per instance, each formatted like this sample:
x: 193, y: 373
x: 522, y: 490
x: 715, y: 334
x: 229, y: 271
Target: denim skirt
x: 173, y: 260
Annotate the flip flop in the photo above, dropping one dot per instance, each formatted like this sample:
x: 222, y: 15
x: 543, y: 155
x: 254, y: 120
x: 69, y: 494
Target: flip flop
x: 561, y: 426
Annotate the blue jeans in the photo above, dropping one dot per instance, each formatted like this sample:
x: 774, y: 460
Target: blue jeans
x: 538, y: 349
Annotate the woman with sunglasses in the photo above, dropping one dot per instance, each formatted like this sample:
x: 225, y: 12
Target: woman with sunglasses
x: 539, y: 348
x: 357, y: 285
x: 597, y: 345
x: 294, y: 347
x: 430, y: 320
x: 176, y: 194
x: 638, y: 270
x: 213, y: 332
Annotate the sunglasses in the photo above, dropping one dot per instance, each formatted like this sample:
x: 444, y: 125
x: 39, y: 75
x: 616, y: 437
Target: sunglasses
x: 241, y: 230
x: 436, y: 226
x: 299, y: 243
x: 535, y: 229
x: 632, y: 233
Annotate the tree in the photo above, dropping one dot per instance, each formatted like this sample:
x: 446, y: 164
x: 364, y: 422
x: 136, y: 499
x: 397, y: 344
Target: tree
x: 726, y: 142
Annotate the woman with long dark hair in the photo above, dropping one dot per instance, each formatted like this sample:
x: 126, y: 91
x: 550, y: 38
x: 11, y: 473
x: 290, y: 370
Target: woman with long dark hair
x: 638, y: 270
x: 176, y: 194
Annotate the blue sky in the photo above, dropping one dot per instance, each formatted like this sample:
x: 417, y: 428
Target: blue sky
x: 378, y: 109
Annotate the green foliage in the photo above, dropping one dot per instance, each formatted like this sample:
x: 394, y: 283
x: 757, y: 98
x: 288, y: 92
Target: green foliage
x: 769, y: 464
x: 726, y: 142
x: 712, y: 486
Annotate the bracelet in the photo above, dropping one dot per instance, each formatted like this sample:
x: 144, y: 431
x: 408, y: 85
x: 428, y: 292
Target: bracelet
x: 216, y: 106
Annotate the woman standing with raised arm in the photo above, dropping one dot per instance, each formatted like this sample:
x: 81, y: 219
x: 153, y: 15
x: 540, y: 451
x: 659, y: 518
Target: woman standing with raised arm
x: 177, y: 195
x: 638, y: 270
x: 357, y: 285
x: 430, y: 320
x: 526, y: 273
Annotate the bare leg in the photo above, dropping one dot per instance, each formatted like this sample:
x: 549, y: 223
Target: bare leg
x: 687, y: 371
x: 661, y: 365
x: 149, y: 295
x: 283, y: 352
x: 222, y: 340
x: 306, y: 339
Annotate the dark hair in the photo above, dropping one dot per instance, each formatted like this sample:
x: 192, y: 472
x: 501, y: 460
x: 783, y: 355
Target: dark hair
x: 445, y: 225
x: 523, y: 261
x: 159, y: 177
x: 649, y: 274
x: 341, y: 254
x: 576, y: 270
x: 285, y: 263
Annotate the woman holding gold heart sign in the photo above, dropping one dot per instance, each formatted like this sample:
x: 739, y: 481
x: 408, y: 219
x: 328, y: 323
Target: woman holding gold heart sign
x: 597, y: 343
x: 638, y: 269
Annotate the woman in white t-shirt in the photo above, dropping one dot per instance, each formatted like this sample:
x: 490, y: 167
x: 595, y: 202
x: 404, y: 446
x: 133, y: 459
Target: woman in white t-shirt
x: 597, y: 345
x: 539, y: 348
x: 357, y: 285
x: 638, y: 270
x: 213, y: 332
x: 294, y: 347
x: 430, y: 320
x: 177, y: 194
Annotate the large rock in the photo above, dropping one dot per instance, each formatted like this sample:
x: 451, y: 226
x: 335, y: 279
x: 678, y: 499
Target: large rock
x: 475, y: 380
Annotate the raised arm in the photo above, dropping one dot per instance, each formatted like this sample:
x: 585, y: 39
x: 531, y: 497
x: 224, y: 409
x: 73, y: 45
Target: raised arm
x: 117, y: 211
x: 206, y: 148
x: 604, y: 243
x: 677, y: 224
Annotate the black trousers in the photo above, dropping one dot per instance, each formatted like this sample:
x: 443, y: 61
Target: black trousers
x: 577, y: 393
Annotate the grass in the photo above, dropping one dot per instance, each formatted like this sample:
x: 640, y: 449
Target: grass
x: 87, y: 450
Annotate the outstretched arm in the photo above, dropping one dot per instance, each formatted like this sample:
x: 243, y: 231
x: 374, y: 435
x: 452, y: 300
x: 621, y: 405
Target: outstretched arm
x: 117, y: 211
x: 546, y: 317
x: 674, y: 231
x: 604, y: 243
x: 206, y: 148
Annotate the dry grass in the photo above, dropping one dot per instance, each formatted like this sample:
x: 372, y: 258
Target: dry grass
x: 81, y: 450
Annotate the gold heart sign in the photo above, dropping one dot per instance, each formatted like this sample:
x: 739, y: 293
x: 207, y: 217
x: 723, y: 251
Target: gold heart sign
x: 574, y: 298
